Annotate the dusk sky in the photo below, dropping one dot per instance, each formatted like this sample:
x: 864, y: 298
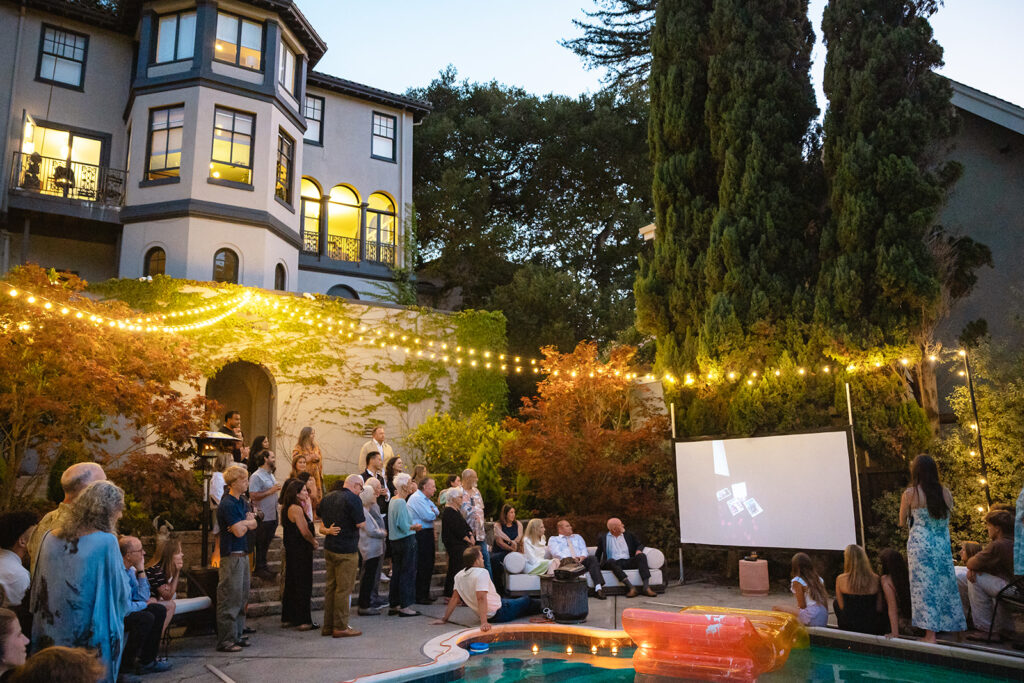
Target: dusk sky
x: 397, y: 44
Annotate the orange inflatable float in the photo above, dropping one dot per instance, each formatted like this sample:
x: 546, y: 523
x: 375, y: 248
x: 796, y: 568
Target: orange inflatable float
x: 712, y: 643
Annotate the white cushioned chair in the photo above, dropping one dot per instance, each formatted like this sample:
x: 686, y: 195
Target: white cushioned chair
x: 517, y: 583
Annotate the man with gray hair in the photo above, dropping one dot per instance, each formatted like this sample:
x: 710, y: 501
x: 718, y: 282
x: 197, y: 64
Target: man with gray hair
x: 344, y: 508
x: 73, y: 481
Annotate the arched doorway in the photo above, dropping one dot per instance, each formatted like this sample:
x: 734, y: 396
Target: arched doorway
x: 249, y: 389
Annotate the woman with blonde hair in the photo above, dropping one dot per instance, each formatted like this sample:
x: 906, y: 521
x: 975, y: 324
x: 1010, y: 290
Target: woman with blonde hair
x: 535, y: 548
x: 80, y: 575
x: 308, y: 447
x: 859, y: 603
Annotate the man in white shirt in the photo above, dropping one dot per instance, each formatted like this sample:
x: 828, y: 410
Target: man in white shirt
x: 619, y: 550
x: 264, y: 492
x: 567, y: 545
x: 15, y: 531
x: 473, y: 586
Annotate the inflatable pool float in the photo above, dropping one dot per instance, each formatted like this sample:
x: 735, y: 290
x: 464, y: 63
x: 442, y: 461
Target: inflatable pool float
x: 712, y: 643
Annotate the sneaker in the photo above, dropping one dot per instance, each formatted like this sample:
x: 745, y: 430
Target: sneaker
x: 369, y: 611
x: 384, y: 578
x: 408, y: 612
x: 154, y: 667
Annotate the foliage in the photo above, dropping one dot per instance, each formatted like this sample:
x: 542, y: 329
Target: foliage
x: 587, y: 445
x: 479, y: 387
x: 162, y: 487
x: 486, y: 461
x: 62, y: 380
x: 618, y: 39
x: 401, y: 289
x: 446, y: 442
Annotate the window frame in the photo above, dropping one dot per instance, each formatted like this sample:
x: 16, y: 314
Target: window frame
x: 238, y: 42
x: 153, y: 58
x: 238, y: 265
x: 293, y: 87
x: 323, y: 111
x: 39, y: 59
x: 394, y: 136
x: 280, y: 269
x: 148, y: 255
x: 149, y: 146
x: 252, y: 150
x: 288, y: 200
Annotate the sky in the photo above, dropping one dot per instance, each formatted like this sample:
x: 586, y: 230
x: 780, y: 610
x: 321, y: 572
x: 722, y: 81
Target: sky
x: 398, y: 44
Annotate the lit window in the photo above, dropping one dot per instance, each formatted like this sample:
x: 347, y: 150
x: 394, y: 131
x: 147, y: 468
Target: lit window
x: 176, y: 37
x: 286, y: 68
x: 380, y: 229
x: 165, y: 133
x: 155, y: 262
x: 343, y: 218
x: 314, y: 112
x: 383, y: 146
x: 225, y: 266
x: 310, y: 216
x: 285, y: 154
x: 239, y: 41
x: 232, y: 146
x: 62, y: 57
x: 280, y: 278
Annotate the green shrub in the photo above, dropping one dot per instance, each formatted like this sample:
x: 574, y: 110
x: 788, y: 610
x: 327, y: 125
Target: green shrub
x: 159, y: 486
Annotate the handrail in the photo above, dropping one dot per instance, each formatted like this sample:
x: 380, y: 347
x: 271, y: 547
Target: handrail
x: 68, y: 179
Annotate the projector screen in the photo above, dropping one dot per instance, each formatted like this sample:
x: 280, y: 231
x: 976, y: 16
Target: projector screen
x: 792, y: 491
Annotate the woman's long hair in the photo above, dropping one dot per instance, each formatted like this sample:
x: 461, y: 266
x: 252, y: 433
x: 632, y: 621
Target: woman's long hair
x: 94, y: 508
x: 535, y: 530
x: 258, y: 445
x: 860, y: 577
x: 306, y: 441
x: 503, y: 518
x: 164, y: 558
x: 389, y: 471
x: 895, y: 567
x: 8, y: 621
x: 925, y: 473
x: 804, y: 568
x: 295, y: 471
x: 291, y: 495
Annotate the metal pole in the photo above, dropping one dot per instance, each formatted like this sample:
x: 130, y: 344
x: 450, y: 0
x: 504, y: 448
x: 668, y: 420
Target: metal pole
x: 205, y: 522
x: 856, y: 465
x: 672, y: 409
x: 977, y: 426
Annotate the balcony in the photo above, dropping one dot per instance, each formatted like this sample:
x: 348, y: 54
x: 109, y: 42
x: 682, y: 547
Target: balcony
x: 347, y: 255
x: 48, y: 178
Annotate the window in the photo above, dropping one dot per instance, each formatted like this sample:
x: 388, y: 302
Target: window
x: 165, y: 132
x: 280, y: 279
x: 380, y: 229
x: 232, y: 146
x: 239, y: 41
x: 286, y: 68
x: 314, y: 113
x: 344, y: 291
x: 176, y: 37
x: 310, y: 193
x: 155, y: 262
x: 225, y: 266
x: 383, y: 146
x: 343, y: 219
x: 62, y: 57
x: 285, y: 154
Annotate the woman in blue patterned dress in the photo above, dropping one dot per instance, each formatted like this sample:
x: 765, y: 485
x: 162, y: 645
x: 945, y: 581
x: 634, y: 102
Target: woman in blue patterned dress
x: 934, y: 597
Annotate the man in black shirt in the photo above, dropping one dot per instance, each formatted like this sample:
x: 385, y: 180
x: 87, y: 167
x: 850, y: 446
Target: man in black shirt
x: 344, y: 508
x: 233, y: 427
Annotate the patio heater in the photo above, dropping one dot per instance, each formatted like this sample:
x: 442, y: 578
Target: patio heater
x: 208, y: 445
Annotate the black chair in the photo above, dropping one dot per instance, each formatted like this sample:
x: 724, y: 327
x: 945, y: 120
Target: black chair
x: 1012, y: 595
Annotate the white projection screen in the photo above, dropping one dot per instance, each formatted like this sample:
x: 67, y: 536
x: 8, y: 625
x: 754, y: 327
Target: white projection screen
x: 791, y: 491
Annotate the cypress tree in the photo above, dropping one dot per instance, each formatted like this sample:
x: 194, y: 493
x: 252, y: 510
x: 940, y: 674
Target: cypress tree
x: 760, y: 106
x: 670, y: 284
x: 888, y: 113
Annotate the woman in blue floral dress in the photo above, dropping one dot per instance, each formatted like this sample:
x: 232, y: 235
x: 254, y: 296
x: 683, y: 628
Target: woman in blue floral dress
x: 934, y: 597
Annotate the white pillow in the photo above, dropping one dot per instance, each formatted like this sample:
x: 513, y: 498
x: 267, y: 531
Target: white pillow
x: 515, y: 563
x: 655, y: 558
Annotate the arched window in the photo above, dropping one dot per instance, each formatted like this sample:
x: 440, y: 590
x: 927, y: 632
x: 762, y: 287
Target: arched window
x: 380, y: 229
x: 311, y: 195
x: 344, y: 291
x: 280, y: 278
x: 343, y: 224
x: 225, y: 266
x: 155, y: 262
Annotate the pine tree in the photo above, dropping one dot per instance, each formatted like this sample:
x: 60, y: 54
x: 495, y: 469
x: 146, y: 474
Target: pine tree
x: 760, y: 107
x: 670, y: 284
x: 888, y: 114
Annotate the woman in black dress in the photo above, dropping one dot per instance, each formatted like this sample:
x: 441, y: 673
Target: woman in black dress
x: 456, y: 536
x: 299, y: 544
x: 859, y: 603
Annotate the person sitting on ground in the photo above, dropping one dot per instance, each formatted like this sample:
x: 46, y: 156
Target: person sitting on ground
x: 988, y: 572
x: 163, y: 574
x: 12, y: 644
x: 58, y: 663
x: 859, y: 603
x: 15, y: 531
x: 809, y: 589
x: 371, y: 549
x: 895, y: 582
x: 535, y: 548
x: 73, y: 481
x: 968, y: 549
x: 455, y: 535
x: 473, y: 586
x: 619, y: 550
x: 567, y: 546
x: 146, y: 617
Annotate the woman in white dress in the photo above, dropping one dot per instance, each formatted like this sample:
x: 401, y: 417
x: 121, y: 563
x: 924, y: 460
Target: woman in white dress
x: 535, y: 548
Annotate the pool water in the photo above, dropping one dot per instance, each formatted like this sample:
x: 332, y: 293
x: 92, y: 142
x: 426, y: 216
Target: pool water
x: 511, y: 661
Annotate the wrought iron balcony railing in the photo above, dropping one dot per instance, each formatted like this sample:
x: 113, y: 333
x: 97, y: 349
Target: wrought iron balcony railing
x: 68, y: 179
x: 347, y: 248
x: 310, y: 242
x: 381, y: 252
x: 342, y: 248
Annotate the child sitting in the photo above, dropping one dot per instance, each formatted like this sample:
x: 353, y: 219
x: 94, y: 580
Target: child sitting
x: 809, y: 589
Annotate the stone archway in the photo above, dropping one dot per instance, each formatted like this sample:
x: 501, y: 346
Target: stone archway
x: 249, y: 389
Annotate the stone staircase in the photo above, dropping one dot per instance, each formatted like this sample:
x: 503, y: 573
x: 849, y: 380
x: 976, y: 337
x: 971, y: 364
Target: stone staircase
x: 265, y: 597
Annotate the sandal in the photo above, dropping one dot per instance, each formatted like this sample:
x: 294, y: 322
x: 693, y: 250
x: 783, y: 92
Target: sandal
x: 229, y: 648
